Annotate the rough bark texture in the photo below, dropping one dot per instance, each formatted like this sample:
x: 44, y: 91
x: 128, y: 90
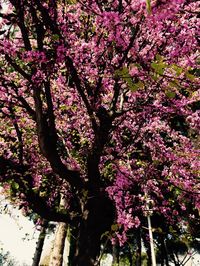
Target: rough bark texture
x: 59, y: 244
x: 86, y: 247
x: 164, y: 256
x: 138, y: 249
x: 40, y: 243
x: 115, y: 254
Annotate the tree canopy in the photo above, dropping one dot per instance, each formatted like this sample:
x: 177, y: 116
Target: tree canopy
x: 99, y: 102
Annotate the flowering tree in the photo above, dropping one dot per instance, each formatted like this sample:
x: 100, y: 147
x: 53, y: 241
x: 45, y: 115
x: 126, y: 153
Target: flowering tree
x: 99, y: 102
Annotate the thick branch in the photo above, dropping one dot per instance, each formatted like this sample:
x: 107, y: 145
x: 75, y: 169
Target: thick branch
x: 19, y: 134
x: 38, y: 204
x: 50, y: 112
x: 27, y: 107
x: 78, y: 82
x: 49, y: 23
x: 21, y: 23
x: 115, y: 96
x: 22, y: 100
x: 125, y: 53
x: 48, y: 145
x: 17, y: 67
x: 38, y: 27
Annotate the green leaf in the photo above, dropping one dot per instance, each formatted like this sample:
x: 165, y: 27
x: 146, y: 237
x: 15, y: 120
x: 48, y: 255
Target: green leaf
x: 159, y: 67
x: 114, y: 227
x: 85, y: 193
x: 124, y: 74
x: 174, y: 84
x: 64, y: 107
x: 55, y: 37
x: 148, y: 4
x: 71, y: 2
x: 10, y: 70
x: 190, y: 76
x: 107, y: 233
x: 135, y: 86
x: 159, y: 230
x: 179, y: 70
x: 170, y: 94
x: 140, y: 163
x: 14, y: 185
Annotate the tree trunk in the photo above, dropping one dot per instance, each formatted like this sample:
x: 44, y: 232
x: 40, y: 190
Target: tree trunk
x: 164, y: 252
x: 115, y: 254
x: 138, y: 249
x: 130, y: 256
x: 59, y: 244
x: 147, y: 248
x: 86, y: 247
x: 149, y: 257
x: 40, y: 243
x: 56, y: 258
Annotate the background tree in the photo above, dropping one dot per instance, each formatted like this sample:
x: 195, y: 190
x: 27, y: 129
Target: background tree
x: 5, y: 258
x: 40, y: 243
x: 56, y: 258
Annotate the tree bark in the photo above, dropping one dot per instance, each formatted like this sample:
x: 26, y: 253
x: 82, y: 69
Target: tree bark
x: 164, y: 252
x: 86, y: 247
x: 115, y: 254
x: 138, y: 249
x: 40, y: 244
x: 130, y: 258
x: 56, y: 258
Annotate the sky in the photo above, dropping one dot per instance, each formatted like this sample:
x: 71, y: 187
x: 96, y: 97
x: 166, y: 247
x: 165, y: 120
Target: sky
x: 18, y: 234
x: 12, y: 233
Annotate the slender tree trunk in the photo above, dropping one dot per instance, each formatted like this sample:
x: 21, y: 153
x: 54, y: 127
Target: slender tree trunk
x: 40, y: 243
x: 148, y: 249
x: 162, y: 261
x: 149, y: 257
x: 164, y: 251
x: 130, y: 256
x: 115, y: 254
x: 56, y: 258
x: 176, y: 263
x: 138, y: 249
